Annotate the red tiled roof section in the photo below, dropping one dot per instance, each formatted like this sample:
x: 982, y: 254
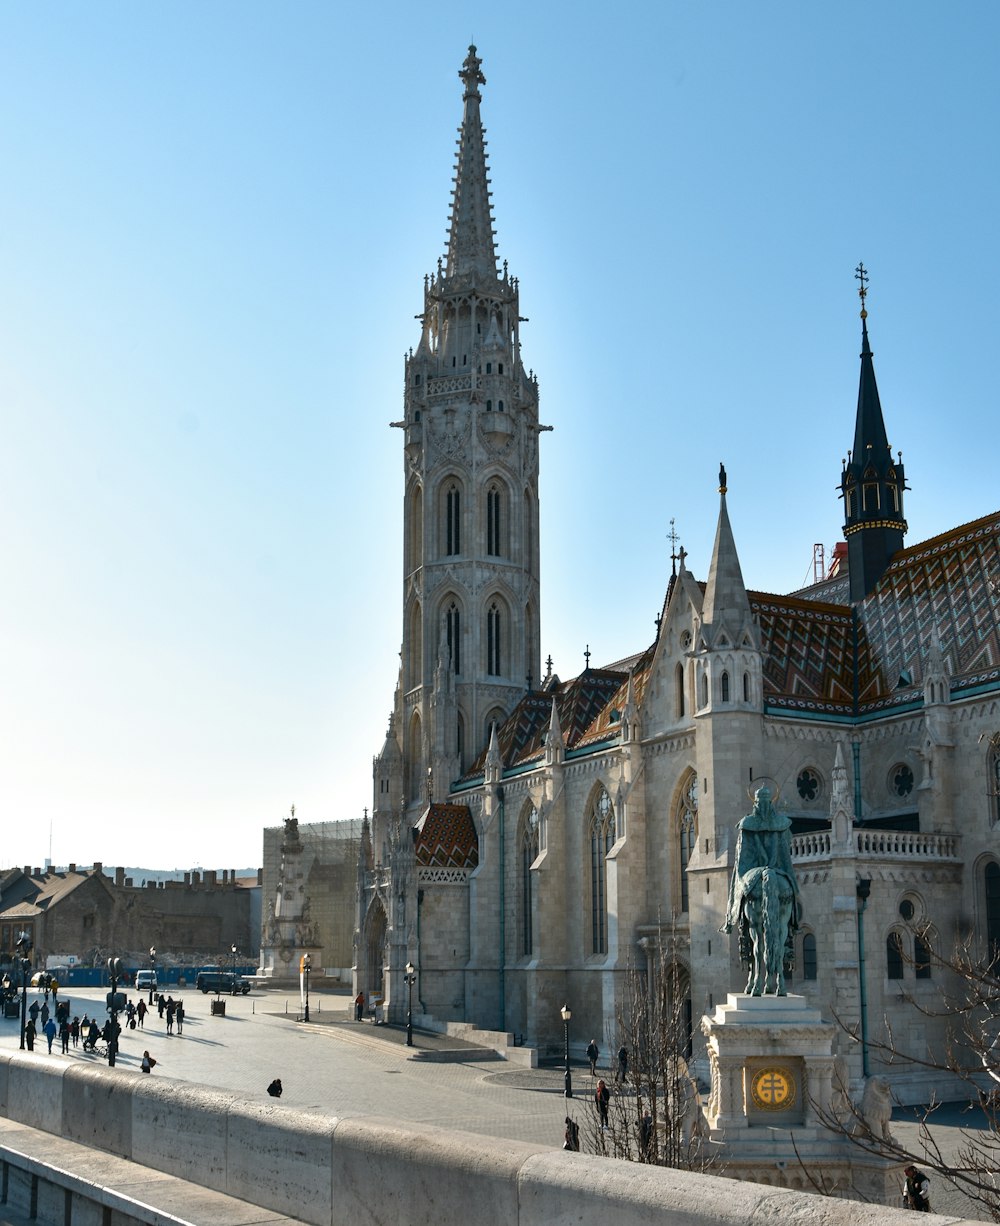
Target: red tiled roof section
x: 445, y: 837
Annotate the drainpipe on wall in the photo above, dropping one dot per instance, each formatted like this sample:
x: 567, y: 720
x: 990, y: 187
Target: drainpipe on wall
x: 503, y: 918
x: 864, y: 889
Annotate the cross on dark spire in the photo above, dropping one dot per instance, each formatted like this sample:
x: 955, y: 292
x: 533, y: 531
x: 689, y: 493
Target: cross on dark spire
x: 586, y: 655
x: 860, y: 274
x: 673, y: 538
x: 548, y: 666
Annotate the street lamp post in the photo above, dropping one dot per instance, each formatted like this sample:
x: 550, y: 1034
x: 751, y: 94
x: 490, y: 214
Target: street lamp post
x: 409, y: 979
x: 306, y: 968
x: 567, y: 1013
x: 23, y: 947
x: 114, y: 972
x: 152, y: 970
x: 234, y: 951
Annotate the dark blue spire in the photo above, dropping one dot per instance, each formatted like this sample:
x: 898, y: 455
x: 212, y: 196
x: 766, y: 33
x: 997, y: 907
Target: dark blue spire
x: 872, y: 483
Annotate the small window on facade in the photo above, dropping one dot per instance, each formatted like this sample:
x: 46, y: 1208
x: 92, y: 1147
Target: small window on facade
x: 921, y: 957
x: 870, y: 495
x: 902, y: 779
x: 704, y: 689
x: 850, y: 500
x: 906, y: 910
x: 489, y: 406
x: 725, y: 687
x: 500, y: 367
x: 808, y: 784
x: 499, y: 406
x: 894, y: 956
x: 809, y: 956
x: 489, y: 368
x: 746, y: 687
x: 493, y: 508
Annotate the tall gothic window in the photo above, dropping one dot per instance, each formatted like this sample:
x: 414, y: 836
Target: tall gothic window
x: 453, y: 628
x: 994, y: 778
x: 493, y: 632
x: 493, y: 507
x: 687, y: 826
x: 894, y: 956
x: 809, y: 956
x: 453, y: 521
x: 602, y: 839
x: 725, y: 687
x: 529, y: 854
x: 991, y: 881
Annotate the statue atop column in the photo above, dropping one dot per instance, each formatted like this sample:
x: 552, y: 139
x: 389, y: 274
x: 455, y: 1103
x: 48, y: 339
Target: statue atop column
x: 764, y: 905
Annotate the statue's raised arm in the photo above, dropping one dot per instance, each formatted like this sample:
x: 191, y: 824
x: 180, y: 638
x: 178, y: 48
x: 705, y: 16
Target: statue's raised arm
x: 764, y: 905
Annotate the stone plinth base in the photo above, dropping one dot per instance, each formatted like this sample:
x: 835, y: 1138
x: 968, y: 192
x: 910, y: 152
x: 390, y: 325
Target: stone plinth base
x: 772, y: 1078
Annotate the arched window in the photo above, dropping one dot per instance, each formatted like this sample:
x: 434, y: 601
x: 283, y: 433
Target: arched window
x: 991, y: 880
x: 529, y: 854
x: 679, y: 690
x: 416, y: 534
x: 725, y: 687
x: 453, y: 521
x: 994, y: 778
x: 921, y: 957
x: 602, y: 839
x: 414, y: 763
x: 704, y: 689
x: 687, y: 826
x: 494, y: 628
x: 414, y: 672
x: 494, y: 506
x: 809, y: 956
x: 453, y: 629
x: 894, y: 956
x: 746, y: 687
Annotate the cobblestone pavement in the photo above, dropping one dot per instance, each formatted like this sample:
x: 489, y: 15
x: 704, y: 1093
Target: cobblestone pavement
x: 336, y: 1066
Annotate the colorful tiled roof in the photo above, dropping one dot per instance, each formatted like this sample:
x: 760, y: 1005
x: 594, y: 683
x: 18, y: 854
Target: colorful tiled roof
x: 445, y: 837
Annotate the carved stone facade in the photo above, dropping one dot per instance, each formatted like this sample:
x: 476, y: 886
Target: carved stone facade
x: 595, y: 822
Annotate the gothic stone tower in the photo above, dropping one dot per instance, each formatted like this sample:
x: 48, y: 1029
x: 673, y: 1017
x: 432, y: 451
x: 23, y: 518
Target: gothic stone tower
x: 470, y: 569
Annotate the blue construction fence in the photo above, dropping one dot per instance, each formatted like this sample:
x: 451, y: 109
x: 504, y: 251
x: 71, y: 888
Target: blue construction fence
x: 166, y: 976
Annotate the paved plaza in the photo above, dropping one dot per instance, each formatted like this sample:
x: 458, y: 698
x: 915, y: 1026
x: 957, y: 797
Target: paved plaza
x: 336, y: 1066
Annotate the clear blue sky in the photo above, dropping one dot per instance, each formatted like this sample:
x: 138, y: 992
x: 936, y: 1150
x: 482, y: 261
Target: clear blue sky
x: 214, y: 227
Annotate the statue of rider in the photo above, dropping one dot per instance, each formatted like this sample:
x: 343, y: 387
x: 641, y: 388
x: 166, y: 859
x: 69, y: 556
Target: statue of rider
x: 763, y: 843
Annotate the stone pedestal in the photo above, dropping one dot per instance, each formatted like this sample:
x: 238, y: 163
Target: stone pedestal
x: 772, y: 1066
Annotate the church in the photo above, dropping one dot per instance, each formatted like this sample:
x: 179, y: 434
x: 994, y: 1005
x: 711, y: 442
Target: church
x: 533, y: 840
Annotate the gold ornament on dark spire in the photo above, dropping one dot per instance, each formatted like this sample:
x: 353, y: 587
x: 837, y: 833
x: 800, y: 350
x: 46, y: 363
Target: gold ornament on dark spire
x: 722, y: 479
x: 861, y: 275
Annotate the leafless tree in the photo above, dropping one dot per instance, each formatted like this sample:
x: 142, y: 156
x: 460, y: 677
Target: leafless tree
x: 968, y: 1014
x: 654, y: 1112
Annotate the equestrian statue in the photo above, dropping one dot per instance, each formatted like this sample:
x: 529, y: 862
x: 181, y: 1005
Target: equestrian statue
x: 764, y: 905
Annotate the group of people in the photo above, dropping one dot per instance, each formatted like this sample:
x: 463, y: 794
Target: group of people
x: 71, y: 1031
x: 594, y: 1054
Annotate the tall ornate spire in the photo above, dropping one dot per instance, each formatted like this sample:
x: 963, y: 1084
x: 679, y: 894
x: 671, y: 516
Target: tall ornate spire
x: 471, y: 247
x: 871, y: 483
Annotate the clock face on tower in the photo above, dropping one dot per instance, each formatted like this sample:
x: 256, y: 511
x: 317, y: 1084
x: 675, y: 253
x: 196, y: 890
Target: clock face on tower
x: 773, y: 1089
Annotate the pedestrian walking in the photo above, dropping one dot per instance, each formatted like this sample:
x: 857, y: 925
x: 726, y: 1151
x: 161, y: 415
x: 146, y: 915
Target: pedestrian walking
x: 33, y: 1010
x: 593, y: 1054
x: 141, y: 1012
x: 571, y: 1137
x: 49, y: 1030
x: 29, y: 1034
x: 179, y: 1016
x: 161, y: 1003
x: 45, y: 1010
x: 359, y: 1006
x: 916, y: 1190
x: 171, y: 1009
x: 622, y: 1062
x: 64, y: 1036
x: 148, y: 1063
x: 74, y: 1030
x: 602, y: 1096
x: 646, y: 1135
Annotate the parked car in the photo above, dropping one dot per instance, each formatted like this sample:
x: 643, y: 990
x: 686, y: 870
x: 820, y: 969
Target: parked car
x: 215, y: 979
x: 145, y: 981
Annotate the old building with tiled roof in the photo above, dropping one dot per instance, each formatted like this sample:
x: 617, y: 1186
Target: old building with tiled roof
x: 532, y: 838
